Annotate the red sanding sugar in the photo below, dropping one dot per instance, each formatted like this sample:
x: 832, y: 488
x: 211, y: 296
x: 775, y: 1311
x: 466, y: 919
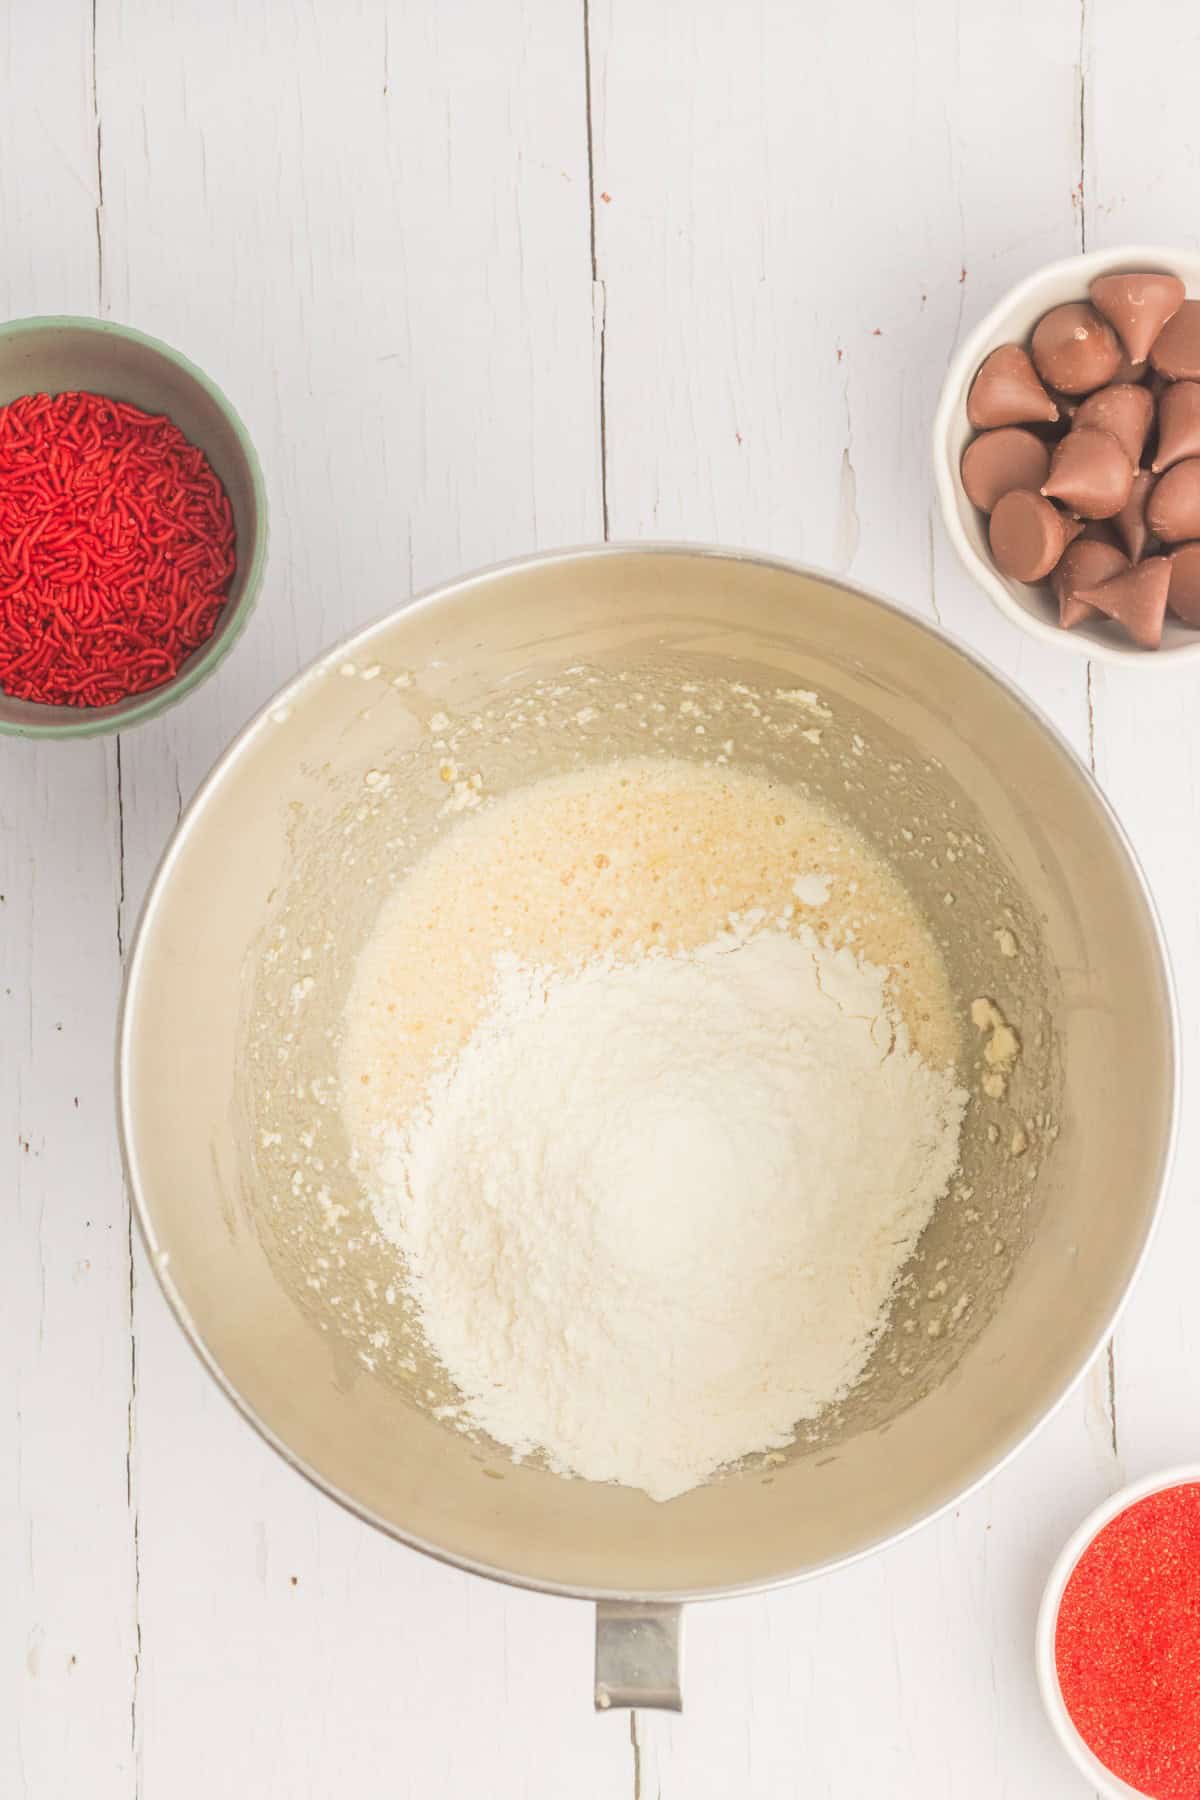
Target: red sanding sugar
x: 1127, y: 1645
x: 116, y: 549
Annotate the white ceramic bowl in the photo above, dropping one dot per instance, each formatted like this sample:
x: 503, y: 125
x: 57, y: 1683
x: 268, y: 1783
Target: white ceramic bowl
x: 1102, y: 1780
x: 1012, y: 321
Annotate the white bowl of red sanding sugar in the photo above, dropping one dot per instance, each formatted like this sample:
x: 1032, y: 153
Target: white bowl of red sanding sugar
x: 1118, y: 1642
x: 1033, y: 607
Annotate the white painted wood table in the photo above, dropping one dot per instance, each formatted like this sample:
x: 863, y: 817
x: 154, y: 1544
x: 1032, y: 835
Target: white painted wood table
x: 484, y: 277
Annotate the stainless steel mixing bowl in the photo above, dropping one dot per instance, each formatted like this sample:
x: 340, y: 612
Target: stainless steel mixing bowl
x: 236, y: 1153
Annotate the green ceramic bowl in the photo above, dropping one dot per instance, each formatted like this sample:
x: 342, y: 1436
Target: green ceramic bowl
x: 57, y: 355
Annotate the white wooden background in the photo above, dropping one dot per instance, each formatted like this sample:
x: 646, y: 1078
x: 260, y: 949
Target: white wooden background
x: 485, y: 275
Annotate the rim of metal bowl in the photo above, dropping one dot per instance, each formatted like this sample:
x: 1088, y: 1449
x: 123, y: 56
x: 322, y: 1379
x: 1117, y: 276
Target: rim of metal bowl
x: 95, y: 721
x: 345, y: 649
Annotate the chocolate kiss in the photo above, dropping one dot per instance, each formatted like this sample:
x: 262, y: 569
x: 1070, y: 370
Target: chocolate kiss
x: 1006, y: 391
x: 1130, y: 522
x: 1072, y: 612
x: 997, y: 461
x: 1125, y: 410
x: 1178, y: 425
x: 1183, y: 595
x: 1173, y: 509
x: 1084, y: 564
x: 1074, y: 350
x: 1137, y: 599
x: 1090, y: 472
x: 1028, y: 535
x: 1176, y: 351
x: 1137, y: 307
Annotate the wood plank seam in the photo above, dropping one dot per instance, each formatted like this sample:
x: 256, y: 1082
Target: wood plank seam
x: 599, y: 325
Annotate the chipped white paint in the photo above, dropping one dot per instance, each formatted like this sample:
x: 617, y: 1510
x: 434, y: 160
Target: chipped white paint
x: 465, y: 313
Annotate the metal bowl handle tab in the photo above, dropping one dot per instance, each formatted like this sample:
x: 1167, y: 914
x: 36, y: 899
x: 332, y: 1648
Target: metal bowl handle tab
x: 638, y: 1654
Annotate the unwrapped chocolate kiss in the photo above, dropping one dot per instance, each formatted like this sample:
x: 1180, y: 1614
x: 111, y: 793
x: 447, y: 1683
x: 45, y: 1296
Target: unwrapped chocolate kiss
x: 1173, y: 509
x: 1137, y: 599
x: 1178, y: 424
x: 1074, y: 350
x: 1137, y: 307
x: 1028, y: 535
x: 1085, y: 563
x: 997, y: 461
x: 1090, y: 473
x: 1006, y: 391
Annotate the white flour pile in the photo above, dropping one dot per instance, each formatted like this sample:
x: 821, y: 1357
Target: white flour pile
x: 653, y: 1211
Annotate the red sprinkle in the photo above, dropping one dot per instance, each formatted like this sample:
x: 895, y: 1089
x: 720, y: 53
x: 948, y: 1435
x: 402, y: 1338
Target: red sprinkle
x: 116, y: 549
x: 1127, y: 1645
